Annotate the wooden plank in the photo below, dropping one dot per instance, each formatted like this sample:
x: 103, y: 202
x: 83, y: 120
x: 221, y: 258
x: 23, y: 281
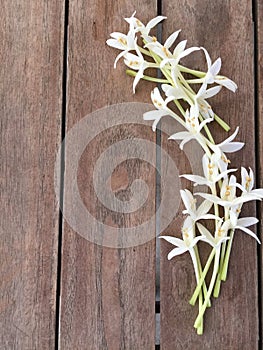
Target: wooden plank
x: 31, y: 66
x: 108, y: 294
x: 225, y: 29
x: 259, y: 134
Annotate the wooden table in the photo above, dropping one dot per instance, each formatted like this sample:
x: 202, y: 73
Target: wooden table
x: 59, y: 290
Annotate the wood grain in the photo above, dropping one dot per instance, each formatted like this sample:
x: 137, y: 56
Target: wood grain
x: 108, y: 294
x: 259, y: 134
x: 225, y: 29
x: 31, y: 63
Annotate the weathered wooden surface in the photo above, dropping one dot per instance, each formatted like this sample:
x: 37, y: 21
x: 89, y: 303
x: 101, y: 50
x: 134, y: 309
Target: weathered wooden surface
x: 31, y: 71
x: 108, y: 294
x: 225, y: 29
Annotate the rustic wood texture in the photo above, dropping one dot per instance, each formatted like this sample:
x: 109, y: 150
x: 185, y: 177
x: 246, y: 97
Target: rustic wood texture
x: 259, y: 135
x: 107, y: 294
x: 31, y: 63
x: 225, y: 29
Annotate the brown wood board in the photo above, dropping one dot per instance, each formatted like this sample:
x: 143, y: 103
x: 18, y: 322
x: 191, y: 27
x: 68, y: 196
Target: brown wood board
x: 107, y: 294
x: 31, y: 81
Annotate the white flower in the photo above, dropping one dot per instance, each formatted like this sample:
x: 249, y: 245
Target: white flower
x: 136, y: 63
x: 242, y: 225
x: 247, y: 183
x: 194, y: 127
x: 220, y: 234
x: 228, y: 200
x: 163, y: 50
x: 212, y: 74
x: 171, y: 58
x: 196, y: 213
x: 187, y: 243
x: 245, y: 197
x: 226, y: 146
x: 176, y: 92
x: 211, y: 173
x: 228, y: 189
x: 122, y: 42
x: 200, y: 103
x: 161, y: 106
x: 138, y: 26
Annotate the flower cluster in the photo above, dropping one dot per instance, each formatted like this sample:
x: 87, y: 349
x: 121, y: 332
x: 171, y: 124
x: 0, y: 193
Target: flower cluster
x: 225, y: 197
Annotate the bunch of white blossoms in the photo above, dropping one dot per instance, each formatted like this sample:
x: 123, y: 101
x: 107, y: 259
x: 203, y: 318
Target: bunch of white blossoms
x: 225, y: 196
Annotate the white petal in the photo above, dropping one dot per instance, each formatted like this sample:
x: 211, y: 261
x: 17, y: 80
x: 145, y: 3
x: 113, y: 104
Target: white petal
x: 252, y: 179
x: 114, y: 43
x: 153, y: 22
x: 179, y: 48
x: 170, y: 91
x: 232, y: 147
x: 194, y: 111
x: 245, y: 198
x: 212, y: 92
x: 120, y: 55
x: 216, y: 66
x: 165, y: 61
x: 186, y: 199
x: 204, y: 231
x: 179, y: 135
x: 137, y: 78
x: 175, y: 252
x: 229, y: 84
x: 174, y: 240
x: 208, y: 59
x: 204, y: 207
x: 209, y: 216
x: 117, y: 35
x: 221, y: 240
x: 212, y: 198
x: 205, y: 162
x: 258, y: 192
x: 248, y: 221
x: 155, y: 95
x: 203, y: 123
x: 196, y: 240
x: 223, y: 174
x: 171, y: 39
x: 187, y: 139
x: 196, y: 178
x: 152, y: 115
x: 244, y: 175
x: 249, y: 232
x: 230, y: 138
x: 188, y: 51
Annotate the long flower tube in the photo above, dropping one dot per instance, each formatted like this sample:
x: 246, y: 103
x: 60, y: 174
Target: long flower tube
x: 185, y: 95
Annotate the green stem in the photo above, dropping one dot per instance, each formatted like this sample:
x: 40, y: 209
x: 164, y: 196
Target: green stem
x: 200, y: 271
x: 202, y: 277
x: 210, y: 289
x: 227, y: 256
x: 132, y: 73
x: 195, y: 81
x: 219, y: 275
x: 200, y: 328
x: 197, y: 276
x: 144, y: 51
x: 197, y: 73
x: 222, y: 123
